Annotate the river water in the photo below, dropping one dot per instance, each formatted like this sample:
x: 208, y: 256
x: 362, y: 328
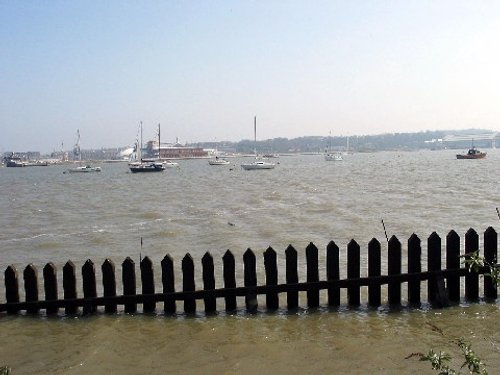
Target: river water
x: 48, y: 216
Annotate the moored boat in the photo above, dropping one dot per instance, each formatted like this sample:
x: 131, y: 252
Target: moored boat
x: 140, y: 165
x: 83, y: 169
x: 77, y: 153
x: 258, y: 163
x: 218, y: 161
x: 473, y: 153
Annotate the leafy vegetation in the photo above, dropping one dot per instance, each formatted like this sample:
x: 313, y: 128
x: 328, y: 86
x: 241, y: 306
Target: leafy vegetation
x: 441, y: 361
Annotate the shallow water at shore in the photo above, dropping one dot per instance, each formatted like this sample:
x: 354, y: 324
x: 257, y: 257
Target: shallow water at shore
x: 48, y: 216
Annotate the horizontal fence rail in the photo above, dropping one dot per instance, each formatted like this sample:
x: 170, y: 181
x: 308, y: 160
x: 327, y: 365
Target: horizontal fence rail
x: 443, y: 283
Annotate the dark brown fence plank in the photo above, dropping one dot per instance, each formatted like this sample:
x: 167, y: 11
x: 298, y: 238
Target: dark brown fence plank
x: 292, y: 276
x: 250, y: 280
x: 333, y: 272
x: 271, y: 269
x: 69, y: 287
x: 394, y: 268
x: 434, y: 293
x: 472, y: 278
x: 30, y: 275
x: 414, y: 265
x: 491, y: 257
x: 50, y: 286
x: 208, y: 281
x: 374, y: 270
x: 148, y: 284
x: 168, y: 283
x: 89, y: 286
x: 129, y: 283
x: 11, y: 288
x: 453, y: 262
x: 353, y: 272
x: 312, y: 274
x: 229, y: 270
x: 109, y: 284
x: 188, y: 284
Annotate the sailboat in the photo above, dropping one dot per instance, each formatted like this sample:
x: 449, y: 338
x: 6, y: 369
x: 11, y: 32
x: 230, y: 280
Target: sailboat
x: 331, y: 156
x: 140, y: 165
x: 77, y: 153
x: 259, y: 163
x: 217, y: 160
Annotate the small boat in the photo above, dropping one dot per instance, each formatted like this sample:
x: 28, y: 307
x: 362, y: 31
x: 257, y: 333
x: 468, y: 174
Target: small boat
x: 83, y: 169
x: 258, y: 163
x: 140, y: 165
x: 218, y: 161
x: 77, y: 153
x: 170, y: 164
x: 333, y: 157
x: 473, y: 153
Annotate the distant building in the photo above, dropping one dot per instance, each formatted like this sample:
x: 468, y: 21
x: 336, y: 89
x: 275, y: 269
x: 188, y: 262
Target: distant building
x: 173, y: 151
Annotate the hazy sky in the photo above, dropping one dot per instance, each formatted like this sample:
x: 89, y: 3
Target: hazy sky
x: 203, y: 69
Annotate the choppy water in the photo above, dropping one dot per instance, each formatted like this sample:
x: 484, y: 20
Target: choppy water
x: 48, y: 216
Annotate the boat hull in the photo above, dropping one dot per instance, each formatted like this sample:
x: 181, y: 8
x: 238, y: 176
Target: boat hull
x: 257, y: 166
x: 218, y: 162
x: 145, y: 168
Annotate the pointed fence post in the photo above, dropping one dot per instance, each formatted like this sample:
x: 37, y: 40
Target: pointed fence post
x: 333, y: 273
x: 50, y: 286
x: 250, y: 280
x: 109, y: 285
x: 30, y: 275
x: 229, y: 271
x: 188, y: 284
x: 312, y: 274
x: 452, y: 263
x: 208, y: 282
x: 148, y: 285
x: 374, y: 270
x: 436, y: 290
x: 168, y: 282
x: 353, y: 273
x: 271, y: 269
x: 11, y: 288
x: 394, y: 268
x: 292, y: 277
x: 69, y: 287
x: 89, y: 287
x: 129, y: 284
x: 491, y: 257
x: 472, y: 277
x: 414, y: 266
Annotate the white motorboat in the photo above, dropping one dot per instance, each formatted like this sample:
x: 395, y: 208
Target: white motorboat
x: 83, y: 169
x: 259, y: 163
x: 218, y: 161
x: 333, y: 157
x: 170, y: 164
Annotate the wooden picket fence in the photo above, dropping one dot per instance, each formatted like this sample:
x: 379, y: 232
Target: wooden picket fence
x: 443, y: 283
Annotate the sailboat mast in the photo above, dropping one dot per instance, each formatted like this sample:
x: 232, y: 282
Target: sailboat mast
x: 159, y: 143
x: 140, y: 146
x: 255, y: 135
